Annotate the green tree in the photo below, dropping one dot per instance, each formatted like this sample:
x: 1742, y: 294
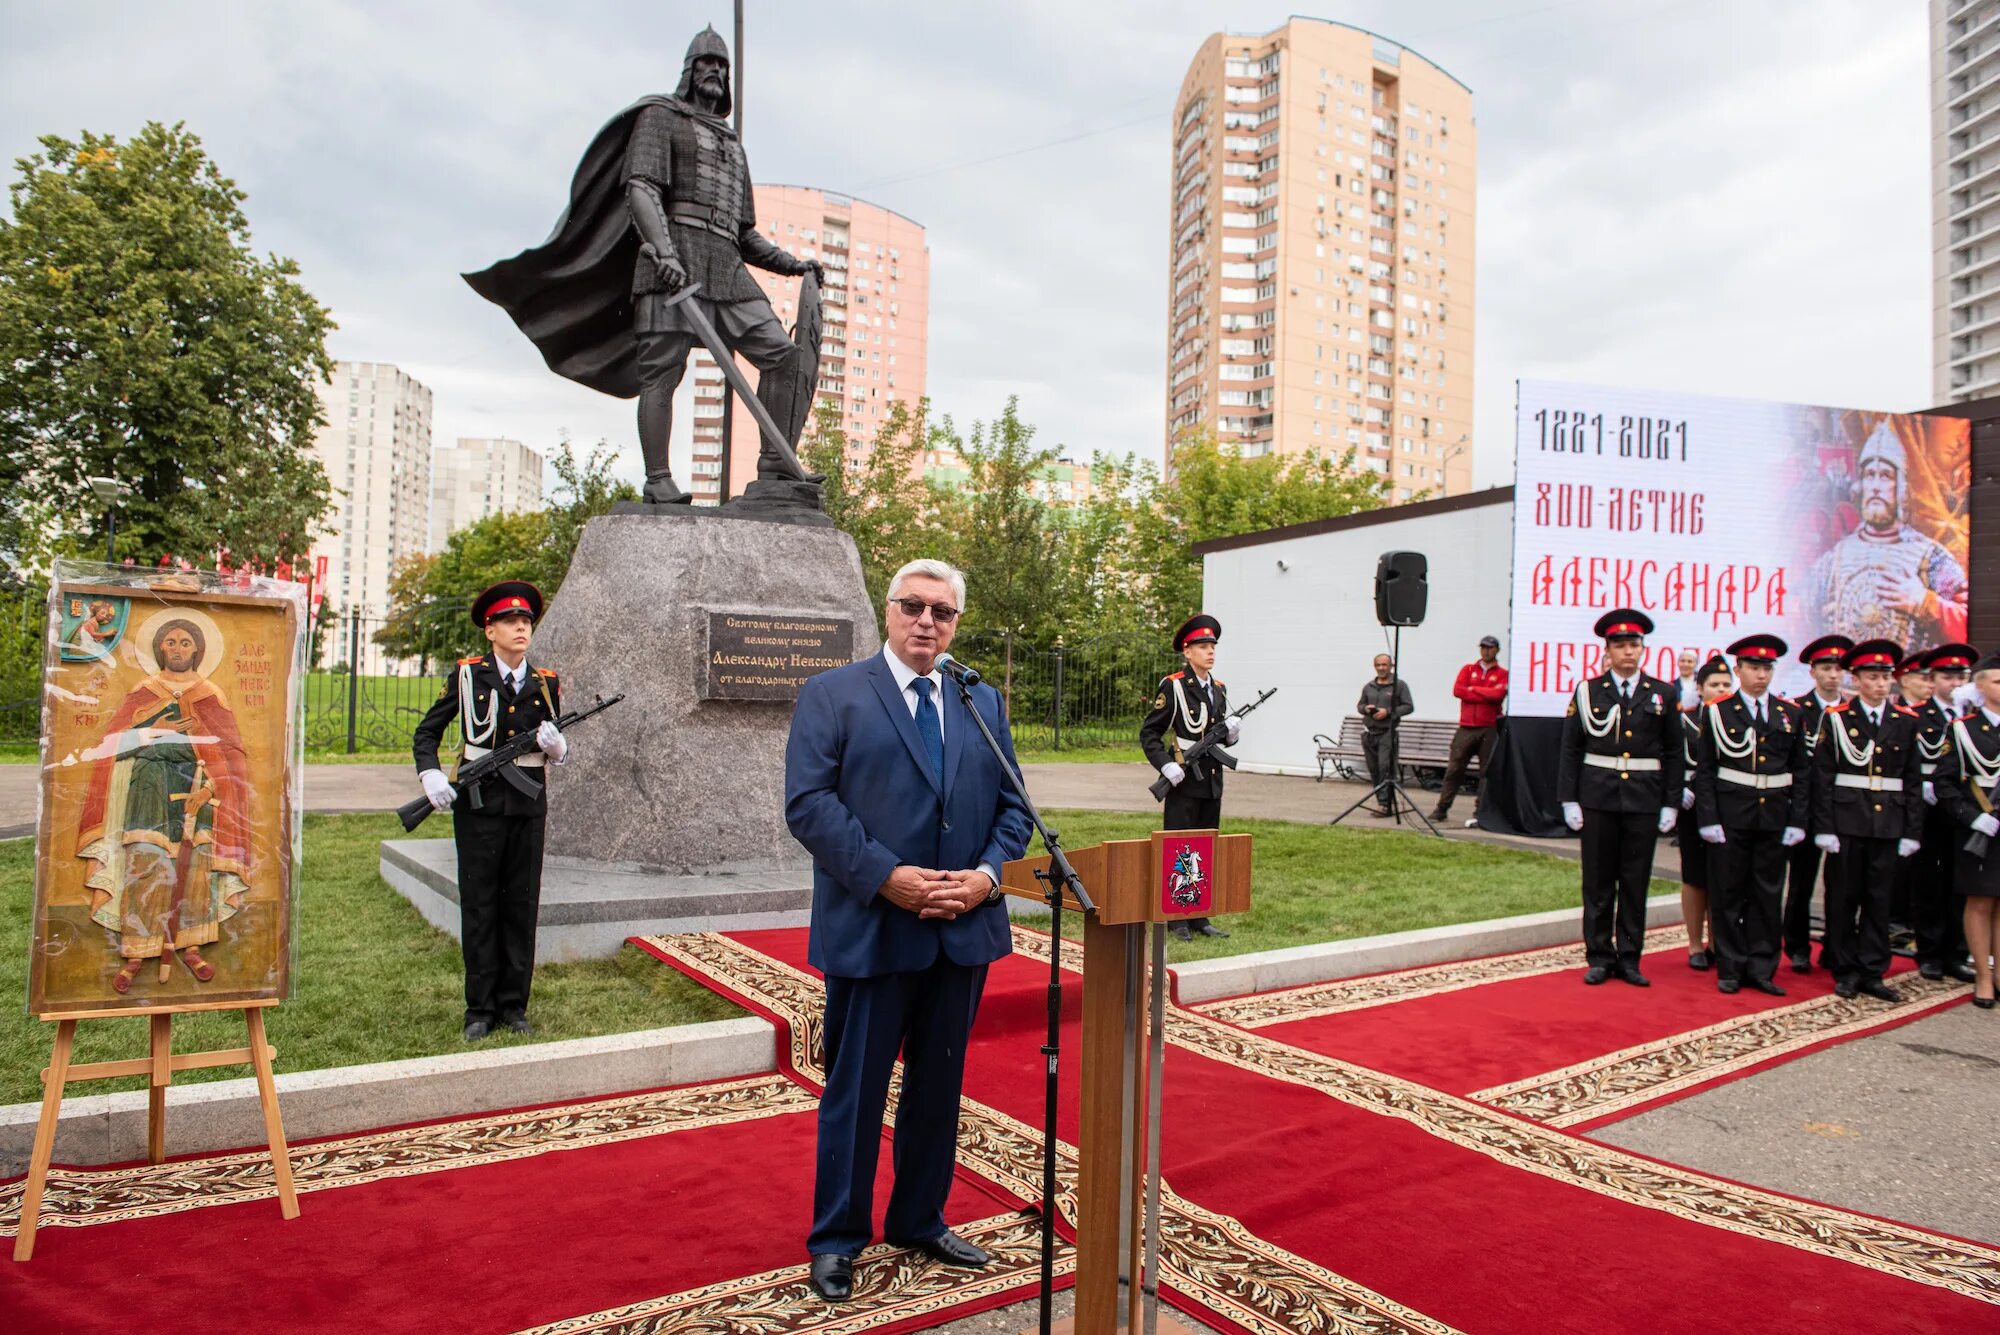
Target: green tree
x: 141, y: 338
x: 1009, y: 542
x: 879, y: 497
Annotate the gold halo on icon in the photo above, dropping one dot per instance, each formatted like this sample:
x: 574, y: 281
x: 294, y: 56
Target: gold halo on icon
x: 211, y: 637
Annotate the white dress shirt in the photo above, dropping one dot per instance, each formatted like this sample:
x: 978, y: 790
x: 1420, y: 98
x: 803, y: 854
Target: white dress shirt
x: 905, y: 674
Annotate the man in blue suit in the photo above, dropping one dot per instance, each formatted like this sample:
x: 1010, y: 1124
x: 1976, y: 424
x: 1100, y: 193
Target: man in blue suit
x: 908, y: 817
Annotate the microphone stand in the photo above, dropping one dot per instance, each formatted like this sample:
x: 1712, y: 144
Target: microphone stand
x: 1058, y: 876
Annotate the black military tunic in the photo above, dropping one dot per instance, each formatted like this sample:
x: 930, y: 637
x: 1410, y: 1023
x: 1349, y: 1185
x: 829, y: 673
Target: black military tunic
x: 1933, y: 907
x: 1803, y: 874
x: 1752, y: 778
x: 1621, y: 762
x: 1868, y: 790
x: 1696, y: 864
x: 500, y: 843
x: 1971, y: 768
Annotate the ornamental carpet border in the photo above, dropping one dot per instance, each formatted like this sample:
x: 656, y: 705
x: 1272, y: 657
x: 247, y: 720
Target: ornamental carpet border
x: 1892, y: 1248
x: 1208, y: 1257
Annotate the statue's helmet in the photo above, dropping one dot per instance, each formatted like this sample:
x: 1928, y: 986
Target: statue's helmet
x: 1884, y: 446
x: 707, y: 42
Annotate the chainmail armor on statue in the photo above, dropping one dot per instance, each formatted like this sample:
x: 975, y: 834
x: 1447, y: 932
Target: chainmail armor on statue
x: 702, y: 173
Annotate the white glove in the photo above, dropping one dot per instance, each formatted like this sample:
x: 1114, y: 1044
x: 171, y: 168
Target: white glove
x: 1172, y: 773
x: 1687, y: 799
x: 554, y: 745
x: 1930, y: 794
x: 1573, y: 815
x: 1235, y: 729
x: 1667, y: 818
x: 1793, y: 835
x: 1711, y: 834
x: 438, y: 789
x: 1827, y: 843
x: 1986, y: 824
x: 1907, y: 847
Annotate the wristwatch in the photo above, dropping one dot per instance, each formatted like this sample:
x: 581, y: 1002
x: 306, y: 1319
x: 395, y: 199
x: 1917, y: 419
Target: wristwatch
x: 994, y: 895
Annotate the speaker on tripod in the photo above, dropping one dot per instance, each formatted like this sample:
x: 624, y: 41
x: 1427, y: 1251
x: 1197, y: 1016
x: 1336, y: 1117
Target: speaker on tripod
x: 1402, y: 594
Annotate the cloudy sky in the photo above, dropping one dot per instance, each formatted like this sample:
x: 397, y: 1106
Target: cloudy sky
x: 1719, y: 196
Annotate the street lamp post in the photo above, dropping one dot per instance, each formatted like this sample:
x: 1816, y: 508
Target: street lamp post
x: 109, y: 492
x: 1456, y: 448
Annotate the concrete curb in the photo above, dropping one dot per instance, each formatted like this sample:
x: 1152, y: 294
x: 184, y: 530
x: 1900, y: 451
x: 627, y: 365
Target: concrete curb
x: 223, y: 1114
x: 1208, y: 980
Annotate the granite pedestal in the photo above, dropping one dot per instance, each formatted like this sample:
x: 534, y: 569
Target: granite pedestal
x: 669, y: 815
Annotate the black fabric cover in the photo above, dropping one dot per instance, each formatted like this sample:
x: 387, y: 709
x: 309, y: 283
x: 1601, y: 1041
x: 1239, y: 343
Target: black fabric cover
x: 1519, y: 795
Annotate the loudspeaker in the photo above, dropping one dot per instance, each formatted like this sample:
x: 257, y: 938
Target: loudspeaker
x: 1402, y: 588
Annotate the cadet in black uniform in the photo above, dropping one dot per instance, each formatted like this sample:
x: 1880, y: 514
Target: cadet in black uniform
x: 1822, y: 656
x: 1620, y: 784
x: 1868, y: 807
x: 1967, y: 783
x: 1934, y: 908
x: 1750, y: 798
x: 494, y: 696
x: 1711, y: 682
x: 1186, y: 706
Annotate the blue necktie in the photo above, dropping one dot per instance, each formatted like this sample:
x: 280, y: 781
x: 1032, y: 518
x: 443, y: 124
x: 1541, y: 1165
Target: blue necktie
x: 928, y: 726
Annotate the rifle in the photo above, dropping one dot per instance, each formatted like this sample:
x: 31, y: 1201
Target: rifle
x: 500, y: 759
x: 1209, y: 748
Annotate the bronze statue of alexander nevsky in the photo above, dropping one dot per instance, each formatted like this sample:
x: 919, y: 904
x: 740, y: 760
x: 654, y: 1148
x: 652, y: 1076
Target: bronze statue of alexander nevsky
x: 662, y: 219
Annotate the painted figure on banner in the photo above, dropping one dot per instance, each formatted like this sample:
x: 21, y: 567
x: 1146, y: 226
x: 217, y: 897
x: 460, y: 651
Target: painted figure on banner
x: 1888, y: 579
x: 164, y: 825
x: 91, y: 628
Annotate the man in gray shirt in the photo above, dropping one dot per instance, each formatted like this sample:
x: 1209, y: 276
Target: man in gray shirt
x: 1383, y: 700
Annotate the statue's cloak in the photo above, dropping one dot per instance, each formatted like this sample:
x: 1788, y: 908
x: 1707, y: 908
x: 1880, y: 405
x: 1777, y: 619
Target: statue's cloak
x: 572, y: 295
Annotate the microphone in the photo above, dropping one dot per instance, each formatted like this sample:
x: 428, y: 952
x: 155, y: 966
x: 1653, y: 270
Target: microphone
x: 962, y: 673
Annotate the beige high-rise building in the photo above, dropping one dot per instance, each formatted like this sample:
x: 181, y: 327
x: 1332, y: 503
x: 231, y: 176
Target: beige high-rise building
x: 480, y: 476
x: 1321, y: 253
x: 376, y: 447
x: 877, y: 312
x: 1965, y: 199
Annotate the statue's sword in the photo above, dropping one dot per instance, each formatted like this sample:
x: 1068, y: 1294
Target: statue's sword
x: 726, y: 360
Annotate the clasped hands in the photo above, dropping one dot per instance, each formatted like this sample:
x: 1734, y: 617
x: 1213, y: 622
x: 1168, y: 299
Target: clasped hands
x: 936, y: 894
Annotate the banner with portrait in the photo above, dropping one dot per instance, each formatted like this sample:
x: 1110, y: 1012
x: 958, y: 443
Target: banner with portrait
x: 168, y: 829
x: 1723, y: 517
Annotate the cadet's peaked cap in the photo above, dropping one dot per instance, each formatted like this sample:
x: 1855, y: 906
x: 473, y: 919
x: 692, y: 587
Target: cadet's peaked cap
x: 508, y: 598
x: 1913, y: 663
x: 1826, y: 646
x: 1990, y: 663
x: 1709, y: 669
x: 1202, y: 629
x: 1951, y: 658
x: 1625, y: 623
x: 1882, y: 654
x: 1758, y: 649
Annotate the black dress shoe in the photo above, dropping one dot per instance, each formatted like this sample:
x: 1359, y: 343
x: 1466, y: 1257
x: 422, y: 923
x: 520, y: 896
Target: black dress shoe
x: 477, y: 1029
x: 1595, y: 974
x: 1698, y: 959
x: 1881, y: 990
x: 518, y: 1023
x: 1179, y: 931
x: 1802, y: 963
x: 832, y: 1277
x: 1767, y: 987
x: 1984, y: 1003
x: 1845, y: 991
x: 1934, y: 972
x: 1728, y: 986
x: 951, y: 1249
x: 1210, y: 929
x: 1962, y: 972
x: 1630, y: 973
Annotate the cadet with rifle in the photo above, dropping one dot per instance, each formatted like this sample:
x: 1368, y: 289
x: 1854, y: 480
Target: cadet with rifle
x: 497, y: 697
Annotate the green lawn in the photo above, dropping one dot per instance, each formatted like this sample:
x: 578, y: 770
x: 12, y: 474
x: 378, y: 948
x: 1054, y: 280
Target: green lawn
x: 1312, y: 883
x: 375, y: 982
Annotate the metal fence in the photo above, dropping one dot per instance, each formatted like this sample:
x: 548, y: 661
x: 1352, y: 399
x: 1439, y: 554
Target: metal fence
x: 363, y: 694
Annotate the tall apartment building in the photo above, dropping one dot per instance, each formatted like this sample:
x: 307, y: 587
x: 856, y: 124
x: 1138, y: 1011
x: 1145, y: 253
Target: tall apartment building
x: 376, y: 447
x: 480, y: 476
x: 1965, y: 199
x: 1321, y: 252
x: 876, y: 307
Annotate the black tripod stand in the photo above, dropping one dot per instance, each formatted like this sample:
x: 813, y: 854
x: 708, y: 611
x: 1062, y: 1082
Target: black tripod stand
x: 1387, y: 789
x: 1057, y: 877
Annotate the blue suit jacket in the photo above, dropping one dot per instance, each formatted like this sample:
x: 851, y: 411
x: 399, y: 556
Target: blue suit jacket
x: 860, y: 796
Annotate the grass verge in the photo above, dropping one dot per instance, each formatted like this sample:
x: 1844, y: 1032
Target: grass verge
x: 375, y: 982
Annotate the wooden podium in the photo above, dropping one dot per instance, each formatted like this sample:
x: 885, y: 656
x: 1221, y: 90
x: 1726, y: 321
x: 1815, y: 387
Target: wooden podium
x: 1140, y: 886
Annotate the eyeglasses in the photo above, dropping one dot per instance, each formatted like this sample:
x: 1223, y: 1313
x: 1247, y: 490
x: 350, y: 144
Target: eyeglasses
x: 942, y: 613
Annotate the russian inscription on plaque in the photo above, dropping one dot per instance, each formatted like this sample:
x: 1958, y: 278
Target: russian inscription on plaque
x: 754, y: 656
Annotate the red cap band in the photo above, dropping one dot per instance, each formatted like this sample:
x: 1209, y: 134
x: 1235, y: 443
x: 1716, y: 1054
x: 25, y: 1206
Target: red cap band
x: 1831, y: 651
x: 507, y: 605
x: 1954, y: 661
x: 1875, y: 660
x: 1623, y: 628
x: 1758, y: 656
x: 1199, y: 637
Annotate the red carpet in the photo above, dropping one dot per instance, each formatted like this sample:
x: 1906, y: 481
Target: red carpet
x: 680, y: 1204
x: 1416, y: 1206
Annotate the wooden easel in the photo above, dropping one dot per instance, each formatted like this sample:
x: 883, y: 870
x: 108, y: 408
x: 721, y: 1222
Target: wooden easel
x: 1124, y: 1013
x: 159, y: 1065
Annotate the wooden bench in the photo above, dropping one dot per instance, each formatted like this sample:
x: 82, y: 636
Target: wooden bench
x: 1423, y: 748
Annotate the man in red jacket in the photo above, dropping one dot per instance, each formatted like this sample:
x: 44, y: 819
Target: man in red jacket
x: 1480, y: 688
